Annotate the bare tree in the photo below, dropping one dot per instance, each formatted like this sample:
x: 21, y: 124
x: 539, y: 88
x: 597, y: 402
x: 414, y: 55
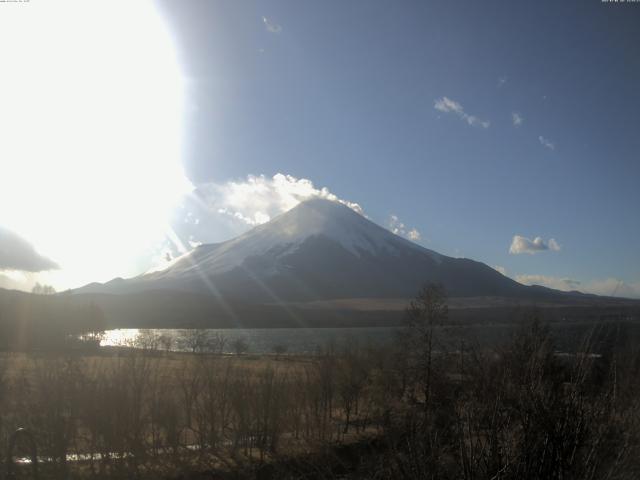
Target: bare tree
x: 279, y: 350
x: 166, y: 341
x: 147, y: 340
x: 43, y: 289
x: 425, y: 313
x: 240, y: 346
x: 216, y: 343
x: 193, y: 340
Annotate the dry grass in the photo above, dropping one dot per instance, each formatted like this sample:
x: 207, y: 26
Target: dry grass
x: 520, y: 412
x: 150, y: 413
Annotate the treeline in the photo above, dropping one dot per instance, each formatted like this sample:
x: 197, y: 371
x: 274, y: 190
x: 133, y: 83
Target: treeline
x: 428, y: 407
x: 45, y: 321
x: 151, y: 414
x: 523, y: 411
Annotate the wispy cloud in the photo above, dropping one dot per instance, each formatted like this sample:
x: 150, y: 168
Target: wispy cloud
x: 271, y: 26
x: 520, y: 244
x: 399, y: 228
x: 517, y: 119
x: 447, y: 105
x: 606, y: 287
x: 565, y: 284
x: 502, y: 81
x: 547, y: 143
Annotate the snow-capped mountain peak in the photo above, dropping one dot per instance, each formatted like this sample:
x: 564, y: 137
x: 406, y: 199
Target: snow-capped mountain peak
x: 284, y: 234
x: 318, y: 250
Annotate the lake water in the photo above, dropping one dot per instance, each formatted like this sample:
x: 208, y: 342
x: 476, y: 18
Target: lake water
x: 295, y: 340
x: 309, y: 340
x: 259, y: 340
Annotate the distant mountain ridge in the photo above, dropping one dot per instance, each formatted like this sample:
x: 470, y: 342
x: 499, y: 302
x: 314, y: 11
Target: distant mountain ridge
x: 320, y: 250
x: 320, y: 264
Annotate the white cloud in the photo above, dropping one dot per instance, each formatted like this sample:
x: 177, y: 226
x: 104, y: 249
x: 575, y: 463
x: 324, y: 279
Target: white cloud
x: 447, y: 105
x: 193, y: 243
x: 163, y: 256
x: 613, y: 287
x: 547, y: 143
x: 23, y: 280
x: 258, y: 198
x: 258, y: 218
x: 414, y: 235
x: 271, y: 26
x: 553, y: 245
x: 395, y: 225
x: 606, y: 287
x: 565, y: 284
x: 500, y: 269
x: 399, y: 228
x: 16, y: 280
x: 520, y: 244
x: 517, y: 119
x: 502, y: 81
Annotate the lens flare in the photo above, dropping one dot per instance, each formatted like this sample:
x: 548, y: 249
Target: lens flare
x: 90, y: 119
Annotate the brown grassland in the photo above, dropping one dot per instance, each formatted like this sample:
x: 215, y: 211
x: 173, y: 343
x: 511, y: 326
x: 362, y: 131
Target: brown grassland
x: 421, y: 407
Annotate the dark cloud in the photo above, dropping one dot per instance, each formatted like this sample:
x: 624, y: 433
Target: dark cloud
x: 18, y: 254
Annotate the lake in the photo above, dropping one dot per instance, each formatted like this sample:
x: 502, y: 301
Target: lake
x: 568, y: 337
x: 298, y: 340
x: 260, y: 340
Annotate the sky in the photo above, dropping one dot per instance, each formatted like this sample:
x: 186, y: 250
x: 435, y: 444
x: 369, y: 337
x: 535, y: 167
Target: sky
x: 506, y: 132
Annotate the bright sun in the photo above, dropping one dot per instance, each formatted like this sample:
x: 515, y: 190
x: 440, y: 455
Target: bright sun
x: 90, y: 127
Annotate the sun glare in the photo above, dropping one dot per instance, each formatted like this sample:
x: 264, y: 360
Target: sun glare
x: 90, y: 119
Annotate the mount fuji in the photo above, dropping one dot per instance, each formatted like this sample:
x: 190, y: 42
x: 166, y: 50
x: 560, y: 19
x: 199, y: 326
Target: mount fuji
x: 318, y: 258
x: 319, y: 250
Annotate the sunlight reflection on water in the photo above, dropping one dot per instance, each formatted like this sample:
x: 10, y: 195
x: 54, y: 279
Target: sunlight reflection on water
x: 119, y: 337
x: 309, y: 340
x: 261, y: 340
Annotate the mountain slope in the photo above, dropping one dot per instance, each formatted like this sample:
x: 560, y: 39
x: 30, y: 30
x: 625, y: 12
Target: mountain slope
x: 320, y: 250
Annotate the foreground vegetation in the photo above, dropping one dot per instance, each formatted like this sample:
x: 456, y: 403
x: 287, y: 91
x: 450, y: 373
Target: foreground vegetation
x: 422, y: 407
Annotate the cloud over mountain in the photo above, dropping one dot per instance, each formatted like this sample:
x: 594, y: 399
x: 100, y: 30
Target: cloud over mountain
x: 565, y: 284
x: 258, y: 198
x: 606, y: 287
x: 501, y: 269
x: 399, y: 228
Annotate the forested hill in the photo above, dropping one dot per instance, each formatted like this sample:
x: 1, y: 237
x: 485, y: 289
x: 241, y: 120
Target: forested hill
x: 32, y: 321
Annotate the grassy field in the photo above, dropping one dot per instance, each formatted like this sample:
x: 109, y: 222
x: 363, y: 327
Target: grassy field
x: 153, y: 413
x: 418, y: 405
x: 17, y: 364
